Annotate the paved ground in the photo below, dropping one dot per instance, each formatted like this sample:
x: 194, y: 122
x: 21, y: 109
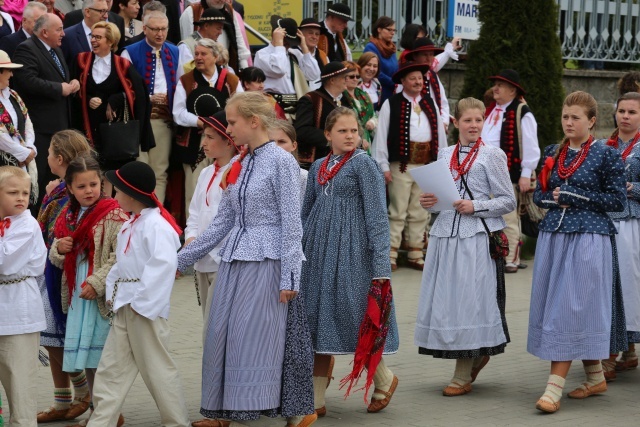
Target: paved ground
x: 505, y: 393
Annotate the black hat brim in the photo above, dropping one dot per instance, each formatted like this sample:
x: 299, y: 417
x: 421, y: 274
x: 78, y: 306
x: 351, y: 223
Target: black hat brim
x: 120, y: 185
x: 339, y: 15
x: 202, y: 102
x: 293, y: 42
x: 399, y: 75
x: 511, y: 82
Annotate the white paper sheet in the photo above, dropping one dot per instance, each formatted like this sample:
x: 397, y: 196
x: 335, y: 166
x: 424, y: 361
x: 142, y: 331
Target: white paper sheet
x: 436, y: 178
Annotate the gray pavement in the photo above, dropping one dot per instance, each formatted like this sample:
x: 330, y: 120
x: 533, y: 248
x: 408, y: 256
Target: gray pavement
x: 504, y: 394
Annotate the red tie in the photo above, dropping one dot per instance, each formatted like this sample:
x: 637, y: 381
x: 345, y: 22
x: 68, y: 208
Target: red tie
x: 4, y: 224
x: 496, y: 116
x: 135, y: 217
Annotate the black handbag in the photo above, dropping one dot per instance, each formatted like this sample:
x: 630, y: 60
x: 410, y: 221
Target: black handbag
x: 120, y: 140
x: 498, y: 241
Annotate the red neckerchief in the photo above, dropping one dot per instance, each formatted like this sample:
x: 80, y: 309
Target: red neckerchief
x: 215, y: 172
x: 4, y: 224
x: 82, y: 236
x: 613, y: 142
x: 135, y: 218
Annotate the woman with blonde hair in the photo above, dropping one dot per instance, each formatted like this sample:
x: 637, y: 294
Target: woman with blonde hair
x: 461, y: 310
x: 257, y: 353
x: 575, y: 273
x: 108, y: 86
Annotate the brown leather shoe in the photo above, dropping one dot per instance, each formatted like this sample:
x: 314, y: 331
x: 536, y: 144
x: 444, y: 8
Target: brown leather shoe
x: 457, y: 391
x: 321, y: 412
x: 546, y: 406
x: 306, y: 421
x: 626, y: 364
x: 585, y: 391
x: 379, y: 405
x: 475, y: 371
x: 78, y: 407
x: 510, y: 269
x: 207, y: 422
x: 120, y: 421
x: 51, y: 415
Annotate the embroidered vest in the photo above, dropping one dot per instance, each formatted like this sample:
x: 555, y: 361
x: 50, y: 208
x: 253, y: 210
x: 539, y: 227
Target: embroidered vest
x: 326, y: 42
x: 142, y: 58
x: 399, y: 123
x: 509, y: 139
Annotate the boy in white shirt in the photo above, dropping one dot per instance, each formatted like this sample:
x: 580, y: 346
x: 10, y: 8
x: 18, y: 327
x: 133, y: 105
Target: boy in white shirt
x: 22, y: 257
x: 138, y: 292
x: 218, y: 145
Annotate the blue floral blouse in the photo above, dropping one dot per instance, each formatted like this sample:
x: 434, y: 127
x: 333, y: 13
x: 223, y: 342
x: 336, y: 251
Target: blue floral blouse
x: 597, y: 187
x: 632, y: 175
x: 261, y: 215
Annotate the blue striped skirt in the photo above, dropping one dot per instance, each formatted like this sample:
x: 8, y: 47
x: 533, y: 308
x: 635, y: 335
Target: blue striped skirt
x: 571, y: 297
x: 255, y: 361
x: 628, y: 244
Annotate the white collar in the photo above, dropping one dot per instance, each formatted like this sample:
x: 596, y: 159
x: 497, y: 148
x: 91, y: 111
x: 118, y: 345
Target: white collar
x: 503, y: 107
x: 5, y: 93
x: 106, y: 59
x: 87, y: 30
x: 339, y: 96
x: 45, y: 45
x: 26, y: 34
x: 327, y: 27
x: 409, y: 98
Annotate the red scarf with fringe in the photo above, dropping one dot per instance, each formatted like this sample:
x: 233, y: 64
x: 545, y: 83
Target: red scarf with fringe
x: 82, y: 235
x: 372, y: 336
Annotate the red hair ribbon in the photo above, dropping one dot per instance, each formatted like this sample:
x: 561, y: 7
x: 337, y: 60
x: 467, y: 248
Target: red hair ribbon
x: 234, y: 171
x: 546, y: 172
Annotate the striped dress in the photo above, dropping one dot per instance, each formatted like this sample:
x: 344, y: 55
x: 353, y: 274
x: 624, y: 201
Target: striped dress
x: 576, y: 306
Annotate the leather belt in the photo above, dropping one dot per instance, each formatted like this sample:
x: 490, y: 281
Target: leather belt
x: 419, y: 152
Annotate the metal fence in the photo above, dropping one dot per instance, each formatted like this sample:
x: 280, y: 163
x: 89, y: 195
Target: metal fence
x: 588, y: 29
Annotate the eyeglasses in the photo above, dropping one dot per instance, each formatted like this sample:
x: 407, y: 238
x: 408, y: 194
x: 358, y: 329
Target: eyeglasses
x: 391, y: 30
x: 100, y: 11
x: 157, y: 30
x: 352, y: 76
x: 96, y: 38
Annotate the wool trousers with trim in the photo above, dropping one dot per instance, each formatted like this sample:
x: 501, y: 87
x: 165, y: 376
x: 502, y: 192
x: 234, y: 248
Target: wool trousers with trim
x: 404, y: 206
x: 513, y: 232
x: 18, y: 376
x: 158, y: 156
x: 137, y: 344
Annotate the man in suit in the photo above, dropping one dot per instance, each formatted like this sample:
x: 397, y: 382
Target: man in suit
x: 152, y: 6
x: 43, y: 83
x: 32, y: 11
x: 77, y: 38
x: 76, y: 16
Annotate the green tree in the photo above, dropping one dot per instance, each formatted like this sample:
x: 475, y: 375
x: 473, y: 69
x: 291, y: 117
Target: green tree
x: 521, y: 35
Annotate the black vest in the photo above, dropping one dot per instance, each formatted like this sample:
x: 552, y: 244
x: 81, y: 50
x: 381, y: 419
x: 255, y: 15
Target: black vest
x: 399, y: 136
x: 509, y: 141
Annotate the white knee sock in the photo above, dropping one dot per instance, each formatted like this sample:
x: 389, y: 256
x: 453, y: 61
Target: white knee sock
x: 462, y: 374
x: 553, y: 392
x: 382, y: 379
x: 319, y: 390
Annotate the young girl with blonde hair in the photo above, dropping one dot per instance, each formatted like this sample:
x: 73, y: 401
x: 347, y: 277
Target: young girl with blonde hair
x: 461, y: 310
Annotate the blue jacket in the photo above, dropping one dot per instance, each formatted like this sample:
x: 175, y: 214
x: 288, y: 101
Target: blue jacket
x: 73, y: 43
x: 597, y: 187
x: 388, y: 67
x: 632, y: 176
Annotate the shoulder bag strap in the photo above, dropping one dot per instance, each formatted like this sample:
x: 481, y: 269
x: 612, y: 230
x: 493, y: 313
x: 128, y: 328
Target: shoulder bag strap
x: 464, y: 181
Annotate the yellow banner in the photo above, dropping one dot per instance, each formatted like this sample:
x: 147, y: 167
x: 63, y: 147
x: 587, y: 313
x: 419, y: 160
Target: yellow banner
x: 258, y: 14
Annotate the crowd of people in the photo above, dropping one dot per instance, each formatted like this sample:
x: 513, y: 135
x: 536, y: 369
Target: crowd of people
x: 120, y: 124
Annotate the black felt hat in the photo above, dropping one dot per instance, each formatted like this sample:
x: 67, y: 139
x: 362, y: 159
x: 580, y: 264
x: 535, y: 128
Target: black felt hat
x: 408, y: 67
x: 135, y: 179
x: 218, y: 122
x: 202, y: 102
x: 340, y: 10
x: 210, y: 15
x: 290, y: 27
x: 510, y: 76
x: 309, y: 23
x: 425, y: 44
x: 333, y: 69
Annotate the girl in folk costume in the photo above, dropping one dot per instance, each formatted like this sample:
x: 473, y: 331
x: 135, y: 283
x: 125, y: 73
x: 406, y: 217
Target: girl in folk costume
x: 257, y: 353
x: 218, y: 145
x: 461, y: 310
x: 346, y: 242
x: 65, y: 146
x: 575, y: 273
x: 626, y: 140
x: 369, y: 72
x: 284, y: 134
x: 85, y: 239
